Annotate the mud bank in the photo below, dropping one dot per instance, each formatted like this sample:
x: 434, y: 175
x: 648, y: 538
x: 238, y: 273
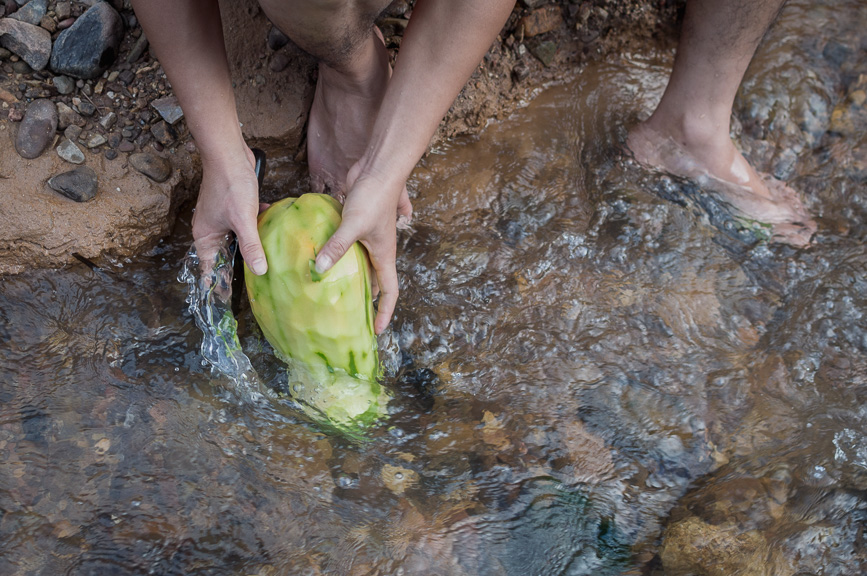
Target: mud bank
x: 542, y: 43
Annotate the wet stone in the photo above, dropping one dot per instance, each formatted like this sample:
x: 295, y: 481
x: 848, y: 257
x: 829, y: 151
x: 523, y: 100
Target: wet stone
x: 31, y: 43
x: 37, y: 129
x: 70, y: 152
x: 64, y: 84
x: 88, y: 47
x: 169, y: 109
x: 80, y: 184
x: 32, y: 12
x: 154, y: 167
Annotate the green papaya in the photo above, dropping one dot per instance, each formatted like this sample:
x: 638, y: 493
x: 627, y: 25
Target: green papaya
x: 322, y: 324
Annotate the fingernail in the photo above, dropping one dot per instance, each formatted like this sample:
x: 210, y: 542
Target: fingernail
x: 323, y: 264
x: 258, y: 267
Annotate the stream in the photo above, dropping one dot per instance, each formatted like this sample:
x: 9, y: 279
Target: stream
x: 589, y: 374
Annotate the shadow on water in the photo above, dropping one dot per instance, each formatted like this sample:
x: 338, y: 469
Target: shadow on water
x: 588, y: 378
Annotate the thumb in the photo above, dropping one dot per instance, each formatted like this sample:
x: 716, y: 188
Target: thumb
x: 251, y: 248
x: 333, y: 250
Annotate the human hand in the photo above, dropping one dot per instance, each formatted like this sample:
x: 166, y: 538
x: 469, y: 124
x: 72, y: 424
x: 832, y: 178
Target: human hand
x: 229, y: 202
x: 370, y: 216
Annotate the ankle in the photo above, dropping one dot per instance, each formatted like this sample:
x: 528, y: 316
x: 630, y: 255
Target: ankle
x: 693, y: 130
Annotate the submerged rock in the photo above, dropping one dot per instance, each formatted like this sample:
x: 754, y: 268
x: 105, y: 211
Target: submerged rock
x: 37, y: 129
x: 31, y: 43
x: 80, y: 184
x: 88, y: 47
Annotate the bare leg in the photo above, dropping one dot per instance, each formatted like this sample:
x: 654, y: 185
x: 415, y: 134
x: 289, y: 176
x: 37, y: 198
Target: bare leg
x: 688, y: 133
x: 353, y: 75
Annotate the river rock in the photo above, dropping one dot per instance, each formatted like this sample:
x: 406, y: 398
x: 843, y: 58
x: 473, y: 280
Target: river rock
x: 70, y: 152
x: 80, y: 184
x: 88, y: 47
x: 31, y: 43
x: 32, y: 12
x: 154, y: 167
x: 692, y: 546
x: 164, y: 133
x: 63, y: 10
x: 168, y: 108
x: 37, y: 128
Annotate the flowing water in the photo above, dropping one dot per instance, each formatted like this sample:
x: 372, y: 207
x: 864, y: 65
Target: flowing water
x: 588, y: 378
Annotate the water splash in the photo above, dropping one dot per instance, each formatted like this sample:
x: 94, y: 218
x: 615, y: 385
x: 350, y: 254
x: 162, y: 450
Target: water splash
x: 209, y: 300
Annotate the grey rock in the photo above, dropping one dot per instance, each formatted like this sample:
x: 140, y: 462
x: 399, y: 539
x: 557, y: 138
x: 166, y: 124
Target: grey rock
x: 126, y: 146
x: 154, y: 167
x: 72, y: 132
x: 169, y: 109
x: 32, y: 12
x: 68, y: 117
x: 64, y: 84
x: 138, y: 49
x: 88, y: 47
x: 31, y: 43
x: 70, y: 152
x: 63, y: 10
x: 37, y: 129
x: 108, y: 120
x: 110, y: 154
x: 86, y: 108
x: 80, y: 184
x: 96, y: 140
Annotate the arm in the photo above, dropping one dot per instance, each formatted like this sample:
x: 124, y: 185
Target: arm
x: 187, y: 37
x: 444, y: 42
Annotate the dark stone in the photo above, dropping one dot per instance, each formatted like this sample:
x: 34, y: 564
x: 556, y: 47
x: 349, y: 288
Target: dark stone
x: 37, y: 129
x: 126, y: 146
x: 138, y: 49
x: 32, y: 12
x: 49, y: 24
x: 114, y: 139
x: 72, y: 132
x: 164, y: 133
x: 21, y: 67
x: 88, y: 47
x: 80, y: 184
x: 544, y: 52
x: 86, y: 108
x: 110, y: 154
x: 276, y: 39
x: 31, y: 43
x: 279, y: 62
x: 154, y: 167
x: 126, y: 77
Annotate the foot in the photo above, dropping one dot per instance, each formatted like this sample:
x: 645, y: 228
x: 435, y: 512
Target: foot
x: 720, y: 169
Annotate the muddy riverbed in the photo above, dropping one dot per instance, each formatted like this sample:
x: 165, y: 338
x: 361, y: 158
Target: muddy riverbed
x: 589, y: 375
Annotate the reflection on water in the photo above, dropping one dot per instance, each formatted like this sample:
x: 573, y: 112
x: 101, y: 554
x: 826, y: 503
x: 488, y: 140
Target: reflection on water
x: 588, y: 379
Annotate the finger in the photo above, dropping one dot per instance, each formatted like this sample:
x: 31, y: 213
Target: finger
x: 387, y: 278
x: 336, y: 246
x: 404, y: 206
x: 251, y: 247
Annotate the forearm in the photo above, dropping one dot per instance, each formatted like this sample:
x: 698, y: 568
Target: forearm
x: 187, y: 38
x: 443, y: 44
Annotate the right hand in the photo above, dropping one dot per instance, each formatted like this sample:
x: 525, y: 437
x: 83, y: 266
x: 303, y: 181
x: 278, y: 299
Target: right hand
x: 229, y: 203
